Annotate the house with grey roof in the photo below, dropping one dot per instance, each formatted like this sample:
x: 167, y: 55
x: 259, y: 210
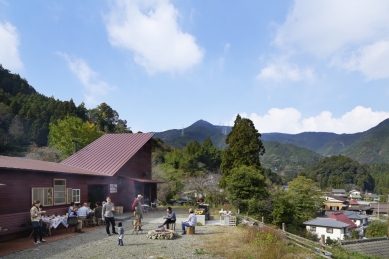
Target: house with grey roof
x: 329, y: 227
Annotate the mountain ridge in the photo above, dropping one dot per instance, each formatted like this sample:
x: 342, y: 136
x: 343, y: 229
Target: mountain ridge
x: 367, y: 147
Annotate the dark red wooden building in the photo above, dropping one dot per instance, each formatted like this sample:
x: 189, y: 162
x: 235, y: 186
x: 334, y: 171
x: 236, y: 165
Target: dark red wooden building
x: 115, y: 165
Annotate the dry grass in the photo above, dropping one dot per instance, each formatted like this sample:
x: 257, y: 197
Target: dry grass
x: 251, y: 243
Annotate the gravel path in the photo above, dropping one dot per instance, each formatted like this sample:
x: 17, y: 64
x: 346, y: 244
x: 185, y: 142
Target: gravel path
x: 96, y: 244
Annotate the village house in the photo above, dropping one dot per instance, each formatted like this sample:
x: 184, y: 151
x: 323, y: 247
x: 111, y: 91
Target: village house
x: 339, y: 192
x: 335, y: 203
x: 329, y: 227
x: 115, y: 165
x: 355, y: 195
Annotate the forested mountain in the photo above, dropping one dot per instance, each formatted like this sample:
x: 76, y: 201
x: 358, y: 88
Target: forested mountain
x: 369, y: 147
x: 287, y: 159
x: 25, y: 114
x: 339, y: 172
x: 198, y: 131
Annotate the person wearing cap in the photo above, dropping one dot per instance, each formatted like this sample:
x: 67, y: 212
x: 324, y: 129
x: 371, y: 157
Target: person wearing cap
x: 138, y: 212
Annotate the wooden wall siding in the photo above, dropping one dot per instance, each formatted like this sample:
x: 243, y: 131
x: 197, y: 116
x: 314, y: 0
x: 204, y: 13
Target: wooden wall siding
x: 17, y: 192
x: 139, y: 163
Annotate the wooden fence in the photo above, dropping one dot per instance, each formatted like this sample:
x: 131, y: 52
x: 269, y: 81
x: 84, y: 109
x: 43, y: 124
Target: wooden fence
x: 320, y: 248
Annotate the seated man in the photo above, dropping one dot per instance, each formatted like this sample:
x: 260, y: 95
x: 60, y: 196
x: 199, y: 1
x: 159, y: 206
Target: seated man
x: 190, y: 222
x: 98, y: 211
x: 79, y: 225
x: 83, y: 211
x: 170, y: 218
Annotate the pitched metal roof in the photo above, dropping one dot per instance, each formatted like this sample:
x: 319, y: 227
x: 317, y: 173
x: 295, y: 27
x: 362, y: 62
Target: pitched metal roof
x: 109, y: 153
x: 339, y: 216
x: 17, y: 163
x: 371, y: 246
x: 326, y: 222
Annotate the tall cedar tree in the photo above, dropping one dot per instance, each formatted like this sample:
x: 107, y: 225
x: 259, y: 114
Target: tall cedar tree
x: 244, y: 148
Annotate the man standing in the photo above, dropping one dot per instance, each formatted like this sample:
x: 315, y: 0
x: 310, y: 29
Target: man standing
x: 107, y: 214
x: 138, y: 212
x: 170, y: 218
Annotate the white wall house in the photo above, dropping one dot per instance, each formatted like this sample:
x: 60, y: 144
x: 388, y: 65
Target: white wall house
x: 358, y: 218
x: 328, y: 227
x: 355, y: 195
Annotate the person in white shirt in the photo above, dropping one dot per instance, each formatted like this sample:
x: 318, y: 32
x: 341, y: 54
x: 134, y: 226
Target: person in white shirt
x: 71, y: 207
x: 190, y: 222
x: 83, y: 211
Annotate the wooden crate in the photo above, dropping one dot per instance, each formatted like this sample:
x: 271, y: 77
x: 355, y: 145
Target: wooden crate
x: 233, y: 221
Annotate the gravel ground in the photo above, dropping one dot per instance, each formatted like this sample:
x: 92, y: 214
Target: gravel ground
x: 96, y: 244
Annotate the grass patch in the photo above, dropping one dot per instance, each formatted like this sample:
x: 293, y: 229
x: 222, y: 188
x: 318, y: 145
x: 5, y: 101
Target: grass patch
x: 253, y: 243
x: 200, y: 252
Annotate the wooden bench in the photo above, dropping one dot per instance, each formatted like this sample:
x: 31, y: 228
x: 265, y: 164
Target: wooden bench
x: 13, y: 223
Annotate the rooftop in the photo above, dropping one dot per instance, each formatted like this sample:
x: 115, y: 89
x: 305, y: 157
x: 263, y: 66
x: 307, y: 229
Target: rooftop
x: 326, y: 222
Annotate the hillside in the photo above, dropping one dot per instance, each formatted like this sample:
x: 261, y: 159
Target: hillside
x: 198, y: 131
x: 287, y: 159
x: 369, y: 147
x: 340, y: 172
x: 310, y: 140
x: 25, y: 115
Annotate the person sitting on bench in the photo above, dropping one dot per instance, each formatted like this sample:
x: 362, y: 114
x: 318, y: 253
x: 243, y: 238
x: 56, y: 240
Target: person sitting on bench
x: 170, y: 218
x: 190, y: 222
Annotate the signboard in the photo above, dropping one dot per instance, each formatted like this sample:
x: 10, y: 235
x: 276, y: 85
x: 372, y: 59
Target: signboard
x: 113, y: 188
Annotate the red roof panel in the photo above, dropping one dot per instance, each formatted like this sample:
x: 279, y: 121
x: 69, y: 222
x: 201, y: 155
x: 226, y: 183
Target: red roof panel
x: 109, y: 153
x: 18, y: 163
x: 341, y: 217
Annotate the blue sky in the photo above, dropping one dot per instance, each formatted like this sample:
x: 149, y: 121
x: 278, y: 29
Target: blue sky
x: 290, y: 66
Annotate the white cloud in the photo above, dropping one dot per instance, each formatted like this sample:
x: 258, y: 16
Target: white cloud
x: 88, y: 78
x: 371, y: 60
x: 351, y: 34
x: 150, y: 30
x: 289, y: 120
x: 9, y: 42
x: 281, y: 70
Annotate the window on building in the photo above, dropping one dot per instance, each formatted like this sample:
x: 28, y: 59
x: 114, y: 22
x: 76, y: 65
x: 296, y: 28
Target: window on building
x: 69, y: 196
x: 313, y: 229
x: 44, y: 195
x: 330, y: 230
x: 59, y: 191
x: 76, y: 195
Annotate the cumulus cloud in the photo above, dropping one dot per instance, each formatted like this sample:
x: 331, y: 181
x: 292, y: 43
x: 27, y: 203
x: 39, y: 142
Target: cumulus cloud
x: 9, y: 42
x: 351, y: 34
x: 289, y: 120
x: 94, y: 87
x: 281, y: 70
x: 151, y: 31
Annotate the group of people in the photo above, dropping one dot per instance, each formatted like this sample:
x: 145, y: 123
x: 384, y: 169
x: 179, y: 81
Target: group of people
x: 106, y: 211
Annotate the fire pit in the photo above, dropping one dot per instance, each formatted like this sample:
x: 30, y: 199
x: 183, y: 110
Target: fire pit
x: 162, y: 234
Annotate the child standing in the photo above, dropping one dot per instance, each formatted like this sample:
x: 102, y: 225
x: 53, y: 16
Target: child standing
x: 121, y: 234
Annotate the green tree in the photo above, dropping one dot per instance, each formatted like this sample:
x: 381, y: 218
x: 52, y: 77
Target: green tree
x: 283, y: 208
x: 210, y: 155
x: 244, y: 183
x: 377, y: 229
x: 71, y: 128
x: 244, y: 148
x: 306, y: 198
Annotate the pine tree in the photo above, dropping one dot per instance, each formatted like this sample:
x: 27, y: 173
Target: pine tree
x: 244, y: 148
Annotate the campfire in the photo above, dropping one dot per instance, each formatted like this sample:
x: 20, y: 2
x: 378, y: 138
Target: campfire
x: 161, y: 233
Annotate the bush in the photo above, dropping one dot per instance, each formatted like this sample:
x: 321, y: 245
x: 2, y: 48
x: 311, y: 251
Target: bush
x: 377, y: 229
